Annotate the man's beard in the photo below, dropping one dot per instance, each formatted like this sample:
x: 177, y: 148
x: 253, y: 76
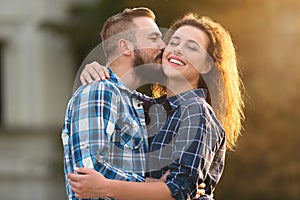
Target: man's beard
x: 147, y: 68
x: 141, y: 58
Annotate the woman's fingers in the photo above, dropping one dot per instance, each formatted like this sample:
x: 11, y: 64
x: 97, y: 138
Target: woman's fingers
x: 106, y: 72
x: 93, y: 71
x: 102, y: 72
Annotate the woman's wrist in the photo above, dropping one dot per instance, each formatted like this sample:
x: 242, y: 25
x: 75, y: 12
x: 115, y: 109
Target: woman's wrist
x: 107, y: 188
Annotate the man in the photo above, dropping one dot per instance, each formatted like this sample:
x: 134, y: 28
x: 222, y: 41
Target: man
x: 104, y: 126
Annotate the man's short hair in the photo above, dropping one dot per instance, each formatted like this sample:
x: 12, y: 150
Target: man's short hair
x: 120, y: 26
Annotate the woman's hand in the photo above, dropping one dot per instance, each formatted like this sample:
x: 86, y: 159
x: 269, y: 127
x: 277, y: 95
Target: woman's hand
x: 93, y: 71
x: 88, y: 183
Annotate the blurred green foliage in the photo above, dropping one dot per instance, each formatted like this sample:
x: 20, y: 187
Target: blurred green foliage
x: 266, y: 163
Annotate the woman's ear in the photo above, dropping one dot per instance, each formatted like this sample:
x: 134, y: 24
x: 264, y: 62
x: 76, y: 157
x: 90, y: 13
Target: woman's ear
x: 125, y: 47
x: 207, y: 65
x: 205, y: 69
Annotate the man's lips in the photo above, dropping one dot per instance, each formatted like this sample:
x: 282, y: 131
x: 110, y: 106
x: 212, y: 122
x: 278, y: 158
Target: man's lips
x: 176, y: 61
x: 159, y: 56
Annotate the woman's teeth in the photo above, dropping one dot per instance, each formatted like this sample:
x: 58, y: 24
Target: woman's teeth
x: 175, y: 61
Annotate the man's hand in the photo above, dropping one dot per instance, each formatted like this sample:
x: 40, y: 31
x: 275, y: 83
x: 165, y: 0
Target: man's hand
x: 200, y: 191
x: 88, y: 183
x: 164, y: 177
x: 93, y: 71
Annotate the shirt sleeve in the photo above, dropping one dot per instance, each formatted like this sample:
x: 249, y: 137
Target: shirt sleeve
x: 94, y: 114
x: 193, y: 153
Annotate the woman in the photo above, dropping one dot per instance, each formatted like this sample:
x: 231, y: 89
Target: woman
x: 205, y: 103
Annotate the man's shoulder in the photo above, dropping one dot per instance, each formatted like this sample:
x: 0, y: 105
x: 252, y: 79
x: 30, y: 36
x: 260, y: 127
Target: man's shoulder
x: 96, y: 87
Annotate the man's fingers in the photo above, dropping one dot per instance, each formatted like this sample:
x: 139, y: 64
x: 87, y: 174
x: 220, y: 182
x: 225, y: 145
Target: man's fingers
x: 197, y: 196
x: 202, y: 186
x: 201, y: 191
x: 164, y: 177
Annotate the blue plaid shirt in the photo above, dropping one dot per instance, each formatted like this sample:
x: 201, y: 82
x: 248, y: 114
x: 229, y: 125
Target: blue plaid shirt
x: 105, y: 129
x: 191, y: 144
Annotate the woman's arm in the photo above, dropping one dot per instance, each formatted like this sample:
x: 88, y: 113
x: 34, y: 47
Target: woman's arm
x: 91, y: 184
x: 123, y: 190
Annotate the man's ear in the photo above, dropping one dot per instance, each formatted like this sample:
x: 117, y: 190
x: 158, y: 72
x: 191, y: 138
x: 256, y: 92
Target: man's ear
x: 125, y: 47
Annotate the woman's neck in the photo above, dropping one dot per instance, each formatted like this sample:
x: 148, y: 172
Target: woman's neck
x: 177, y: 87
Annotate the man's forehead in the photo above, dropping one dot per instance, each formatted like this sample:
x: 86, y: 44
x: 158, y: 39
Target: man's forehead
x: 148, y: 31
x: 145, y: 22
x: 146, y: 26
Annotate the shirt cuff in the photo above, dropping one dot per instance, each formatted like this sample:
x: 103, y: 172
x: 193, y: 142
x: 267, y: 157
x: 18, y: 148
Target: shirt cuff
x: 179, y: 192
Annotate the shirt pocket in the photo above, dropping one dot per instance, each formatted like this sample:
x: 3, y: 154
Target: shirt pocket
x: 130, y: 135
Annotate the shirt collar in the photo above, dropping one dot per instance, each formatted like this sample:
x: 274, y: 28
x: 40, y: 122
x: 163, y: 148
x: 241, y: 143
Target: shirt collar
x: 115, y: 79
x: 177, y: 100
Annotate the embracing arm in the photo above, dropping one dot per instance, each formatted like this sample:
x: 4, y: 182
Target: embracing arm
x: 94, y: 184
x: 146, y: 190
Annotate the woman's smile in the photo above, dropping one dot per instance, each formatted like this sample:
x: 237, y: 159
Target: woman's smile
x: 176, y: 61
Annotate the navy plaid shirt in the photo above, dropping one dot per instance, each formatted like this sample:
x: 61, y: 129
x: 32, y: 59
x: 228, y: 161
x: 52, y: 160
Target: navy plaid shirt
x: 105, y: 129
x: 191, y: 144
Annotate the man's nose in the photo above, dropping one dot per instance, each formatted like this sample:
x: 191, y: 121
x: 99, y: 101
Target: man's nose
x: 162, y: 44
x: 177, y: 50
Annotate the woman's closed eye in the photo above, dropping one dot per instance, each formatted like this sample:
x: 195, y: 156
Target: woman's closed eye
x: 191, y: 45
x: 173, y: 42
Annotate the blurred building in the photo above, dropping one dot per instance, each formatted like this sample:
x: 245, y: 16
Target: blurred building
x: 36, y: 82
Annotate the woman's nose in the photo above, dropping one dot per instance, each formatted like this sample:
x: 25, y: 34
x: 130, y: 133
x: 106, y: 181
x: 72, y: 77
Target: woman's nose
x: 177, y: 50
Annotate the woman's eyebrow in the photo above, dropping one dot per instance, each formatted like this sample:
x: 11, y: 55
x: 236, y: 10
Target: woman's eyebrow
x: 175, y: 37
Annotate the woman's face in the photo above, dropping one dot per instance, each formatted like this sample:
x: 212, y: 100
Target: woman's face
x: 185, y: 55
